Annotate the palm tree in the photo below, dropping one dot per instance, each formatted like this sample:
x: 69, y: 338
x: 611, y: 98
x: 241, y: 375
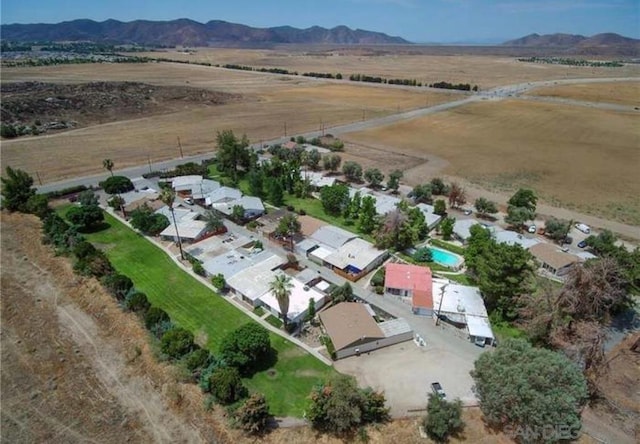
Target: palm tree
x: 168, y: 197
x: 281, y: 286
x: 107, y: 164
x: 213, y: 220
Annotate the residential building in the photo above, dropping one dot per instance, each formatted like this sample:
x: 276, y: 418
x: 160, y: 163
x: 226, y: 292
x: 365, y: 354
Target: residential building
x: 513, y: 238
x: 299, y: 297
x: 431, y: 219
x: 461, y: 229
x: 252, y: 206
x: 464, y: 307
x: 353, y: 329
x: 552, y: 259
x: 411, y: 281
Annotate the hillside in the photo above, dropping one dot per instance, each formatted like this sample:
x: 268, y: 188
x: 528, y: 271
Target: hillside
x: 606, y: 44
x: 185, y: 32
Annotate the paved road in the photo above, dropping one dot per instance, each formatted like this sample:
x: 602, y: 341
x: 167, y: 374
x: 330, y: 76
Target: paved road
x: 498, y: 93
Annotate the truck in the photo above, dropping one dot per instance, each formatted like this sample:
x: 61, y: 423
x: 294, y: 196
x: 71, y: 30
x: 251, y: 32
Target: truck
x: 584, y: 228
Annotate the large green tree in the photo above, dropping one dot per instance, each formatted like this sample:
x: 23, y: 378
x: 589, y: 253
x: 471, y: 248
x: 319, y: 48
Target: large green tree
x: 524, y: 198
x: 374, y: 177
x: 334, y: 198
x: 503, y: 272
x: 557, y: 229
x: 524, y: 389
x: 331, y: 162
x: 367, y: 216
x: 485, y: 206
x: 16, y: 189
x: 394, y: 180
x: 233, y: 153
x: 245, y: 347
x: 422, y: 193
x: 117, y: 185
x: 226, y: 385
x: 177, y: 342
x: 144, y: 219
x: 352, y: 171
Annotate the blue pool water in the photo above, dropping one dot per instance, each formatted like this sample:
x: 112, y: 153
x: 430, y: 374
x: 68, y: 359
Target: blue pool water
x: 444, y: 257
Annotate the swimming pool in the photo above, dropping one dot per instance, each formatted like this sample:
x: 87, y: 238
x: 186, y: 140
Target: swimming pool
x: 445, y: 257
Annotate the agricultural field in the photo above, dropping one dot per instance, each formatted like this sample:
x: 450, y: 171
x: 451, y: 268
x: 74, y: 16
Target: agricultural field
x: 621, y: 93
x: 196, y: 308
x: 574, y: 157
x: 265, y: 106
x: 457, y: 66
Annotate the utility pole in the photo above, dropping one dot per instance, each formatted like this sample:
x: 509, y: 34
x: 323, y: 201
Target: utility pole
x: 363, y: 114
x: 149, y: 162
x: 440, y: 304
x: 180, y: 147
x: 285, y: 129
x: 38, y: 176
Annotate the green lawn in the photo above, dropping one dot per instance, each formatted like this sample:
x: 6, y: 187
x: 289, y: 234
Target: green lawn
x: 200, y: 310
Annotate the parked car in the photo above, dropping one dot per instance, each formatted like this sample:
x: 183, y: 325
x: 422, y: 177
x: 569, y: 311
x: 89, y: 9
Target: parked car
x: 467, y: 212
x: 567, y: 240
x: 438, y: 390
x: 188, y: 200
x: 531, y: 229
x: 584, y: 228
x: 582, y: 244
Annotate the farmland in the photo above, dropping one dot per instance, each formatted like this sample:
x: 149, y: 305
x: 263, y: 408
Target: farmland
x: 425, y: 64
x: 574, y: 157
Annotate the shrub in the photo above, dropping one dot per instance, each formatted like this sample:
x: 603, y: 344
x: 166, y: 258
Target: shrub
x: 154, y: 316
x: 137, y: 301
x: 253, y: 415
x: 198, y: 359
x: 177, y: 342
x: 219, y: 282
x: 199, y: 269
x: 443, y: 418
x: 226, y: 385
x: 423, y: 254
x: 97, y: 265
x: 117, y: 284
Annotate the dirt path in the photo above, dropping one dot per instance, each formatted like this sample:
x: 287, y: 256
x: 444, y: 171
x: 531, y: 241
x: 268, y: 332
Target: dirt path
x: 65, y: 378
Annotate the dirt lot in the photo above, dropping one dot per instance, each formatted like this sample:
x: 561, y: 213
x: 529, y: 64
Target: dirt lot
x: 75, y: 368
x: 622, y: 93
x: 267, y: 106
x: 574, y: 157
x: 484, y: 70
x: 85, y: 104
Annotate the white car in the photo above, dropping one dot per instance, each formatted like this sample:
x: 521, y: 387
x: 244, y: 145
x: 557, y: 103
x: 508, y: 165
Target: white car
x: 188, y: 200
x: 531, y: 229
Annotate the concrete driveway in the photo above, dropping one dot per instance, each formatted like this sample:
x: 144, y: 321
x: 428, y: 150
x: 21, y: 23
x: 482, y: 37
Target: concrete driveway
x: 405, y: 373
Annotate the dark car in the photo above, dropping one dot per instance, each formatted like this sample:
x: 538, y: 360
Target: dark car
x: 582, y: 244
x: 437, y: 389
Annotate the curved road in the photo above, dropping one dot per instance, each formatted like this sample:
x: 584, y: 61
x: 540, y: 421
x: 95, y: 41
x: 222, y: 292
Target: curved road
x: 499, y: 93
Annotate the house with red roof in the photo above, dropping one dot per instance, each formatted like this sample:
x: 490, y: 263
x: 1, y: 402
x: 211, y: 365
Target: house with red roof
x: 411, y: 281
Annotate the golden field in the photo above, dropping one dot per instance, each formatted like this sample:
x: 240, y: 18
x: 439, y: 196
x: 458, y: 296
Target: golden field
x: 621, y: 93
x: 267, y: 105
x: 572, y: 156
x: 486, y: 71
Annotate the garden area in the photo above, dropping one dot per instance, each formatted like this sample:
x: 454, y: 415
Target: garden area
x: 196, y: 308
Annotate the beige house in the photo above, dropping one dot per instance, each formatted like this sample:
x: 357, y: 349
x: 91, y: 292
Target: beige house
x: 552, y: 259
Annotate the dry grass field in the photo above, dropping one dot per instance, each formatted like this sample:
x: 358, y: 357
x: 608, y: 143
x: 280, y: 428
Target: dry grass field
x: 267, y: 104
x: 622, y: 93
x: 574, y: 157
x: 484, y: 70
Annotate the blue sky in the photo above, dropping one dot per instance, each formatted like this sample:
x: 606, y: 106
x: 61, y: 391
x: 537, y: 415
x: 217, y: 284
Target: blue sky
x: 415, y: 20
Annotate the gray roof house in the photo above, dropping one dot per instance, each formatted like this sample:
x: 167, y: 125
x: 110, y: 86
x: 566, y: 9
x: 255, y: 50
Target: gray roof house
x: 253, y: 206
x: 221, y: 195
x: 332, y: 237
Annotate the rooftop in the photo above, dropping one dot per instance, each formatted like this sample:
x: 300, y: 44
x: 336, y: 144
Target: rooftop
x: 394, y: 327
x: 187, y: 229
x: 407, y: 277
x: 253, y: 281
x: 513, y: 238
x: 331, y: 236
x: 357, y: 253
x: 552, y: 255
x: 461, y: 228
x: 348, y: 323
x: 458, y: 300
x: 298, y: 299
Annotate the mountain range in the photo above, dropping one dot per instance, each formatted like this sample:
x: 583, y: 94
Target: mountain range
x: 185, y: 32
x: 606, y: 43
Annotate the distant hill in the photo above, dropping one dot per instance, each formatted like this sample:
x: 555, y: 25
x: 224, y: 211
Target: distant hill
x: 600, y: 44
x: 185, y: 32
